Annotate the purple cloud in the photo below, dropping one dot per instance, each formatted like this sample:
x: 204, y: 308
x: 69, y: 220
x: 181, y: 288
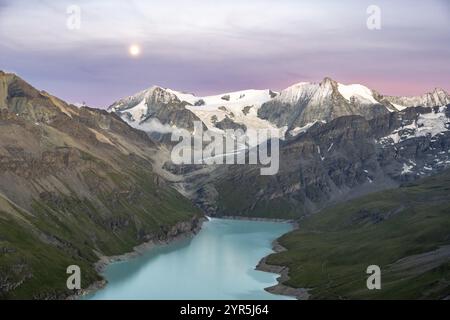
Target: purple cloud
x: 209, y: 47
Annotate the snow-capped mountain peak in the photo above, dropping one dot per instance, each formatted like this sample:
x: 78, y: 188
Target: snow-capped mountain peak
x: 239, y: 106
x: 328, y: 86
x: 236, y: 98
x: 358, y: 91
x: 296, y: 92
x: 438, y: 97
x: 297, y: 106
x: 166, y: 106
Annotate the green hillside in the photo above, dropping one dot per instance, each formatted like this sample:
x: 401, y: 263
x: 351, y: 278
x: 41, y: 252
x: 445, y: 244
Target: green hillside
x: 405, y: 231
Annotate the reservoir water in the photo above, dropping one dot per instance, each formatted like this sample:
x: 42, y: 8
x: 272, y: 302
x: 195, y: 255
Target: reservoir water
x: 218, y: 263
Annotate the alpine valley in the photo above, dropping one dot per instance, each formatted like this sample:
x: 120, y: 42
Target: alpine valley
x: 363, y: 174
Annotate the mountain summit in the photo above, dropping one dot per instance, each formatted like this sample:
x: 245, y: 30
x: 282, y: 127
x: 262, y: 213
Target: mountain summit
x: 76, y: 184
x: 294, y: 108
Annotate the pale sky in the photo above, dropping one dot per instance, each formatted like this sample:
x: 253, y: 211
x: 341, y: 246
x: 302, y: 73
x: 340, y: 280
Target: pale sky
x: 207, y: 47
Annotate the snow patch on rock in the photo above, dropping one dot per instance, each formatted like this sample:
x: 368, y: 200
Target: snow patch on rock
x: 358, y: 91
x: 429, y: 124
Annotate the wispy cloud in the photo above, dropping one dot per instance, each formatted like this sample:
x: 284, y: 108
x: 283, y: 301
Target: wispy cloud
x: 208, y: 46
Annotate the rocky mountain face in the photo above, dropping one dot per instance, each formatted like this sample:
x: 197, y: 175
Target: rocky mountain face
x: 159, y: 110
x: 339, y: 141
x: 436, y: 98
x: 155, y: 109
x: 333, y: 162
x: 305, y: 103
x: 78, y: 183
x: 291, y: 110
x: 75, y: 184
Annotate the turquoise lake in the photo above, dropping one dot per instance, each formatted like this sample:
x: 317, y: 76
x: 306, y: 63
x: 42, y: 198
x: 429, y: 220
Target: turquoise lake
x: 218, y: 263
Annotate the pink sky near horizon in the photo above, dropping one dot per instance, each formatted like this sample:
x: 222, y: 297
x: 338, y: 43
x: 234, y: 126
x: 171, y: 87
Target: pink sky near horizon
x: 206, y: 47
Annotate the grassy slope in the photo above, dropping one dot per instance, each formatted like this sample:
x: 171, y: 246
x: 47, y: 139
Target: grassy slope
x: 232, y: 201
x: 37, y: 249
x: 332, y: 249
x: 75, y: 183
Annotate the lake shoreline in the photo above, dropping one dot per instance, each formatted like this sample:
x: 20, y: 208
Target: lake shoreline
x: 180, y: 231
x: 194, y: 227
x: 290, y: 221
x: 280, y: 288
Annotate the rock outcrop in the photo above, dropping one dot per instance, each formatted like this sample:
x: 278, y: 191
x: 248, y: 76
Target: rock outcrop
x: 75, y: 184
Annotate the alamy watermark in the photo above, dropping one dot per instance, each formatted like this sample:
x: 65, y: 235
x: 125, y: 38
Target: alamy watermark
x: 73, y: 21
x: 374, y: 19
x: 374, y: 280
x: 209, y: 147
x: 74, y: 280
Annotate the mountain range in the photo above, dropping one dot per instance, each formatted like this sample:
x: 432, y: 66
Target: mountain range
x: 78, y: 184
x: 294, y: 108
x: 338, y: 142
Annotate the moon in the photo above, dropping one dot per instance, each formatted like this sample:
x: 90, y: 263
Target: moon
x: 134, y: 50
